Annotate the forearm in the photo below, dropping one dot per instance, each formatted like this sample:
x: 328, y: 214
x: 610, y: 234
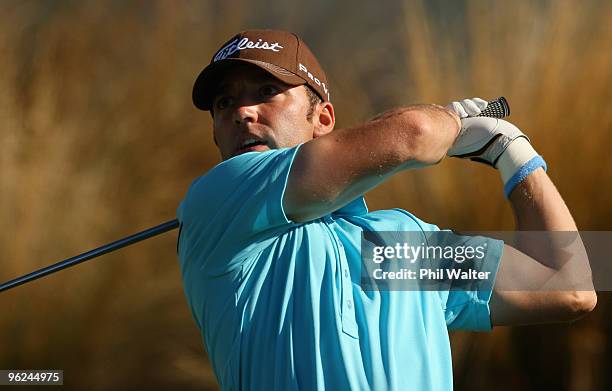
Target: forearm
x: 538, y: 206
x: 554, y: 282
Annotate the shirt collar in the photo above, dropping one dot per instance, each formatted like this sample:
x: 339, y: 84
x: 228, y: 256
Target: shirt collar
x: 357, y: 207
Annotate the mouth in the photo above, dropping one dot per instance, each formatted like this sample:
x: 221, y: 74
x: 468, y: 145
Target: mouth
x: 252, y: 145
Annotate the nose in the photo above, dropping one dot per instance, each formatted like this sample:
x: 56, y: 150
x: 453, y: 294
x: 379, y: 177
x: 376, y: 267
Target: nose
x: 245, y: 112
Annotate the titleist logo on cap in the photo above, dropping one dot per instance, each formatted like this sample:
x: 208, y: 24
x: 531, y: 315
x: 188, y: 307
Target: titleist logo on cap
x: 245, y: 43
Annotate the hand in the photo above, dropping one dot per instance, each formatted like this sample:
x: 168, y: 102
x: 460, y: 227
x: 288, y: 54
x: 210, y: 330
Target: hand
x: 468, y: 107
x: 484, y: 139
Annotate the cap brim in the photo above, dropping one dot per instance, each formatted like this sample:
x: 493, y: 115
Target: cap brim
x: 204, y: 86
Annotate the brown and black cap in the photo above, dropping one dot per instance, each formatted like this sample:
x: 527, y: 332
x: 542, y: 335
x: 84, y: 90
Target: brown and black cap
x: 282, y: 54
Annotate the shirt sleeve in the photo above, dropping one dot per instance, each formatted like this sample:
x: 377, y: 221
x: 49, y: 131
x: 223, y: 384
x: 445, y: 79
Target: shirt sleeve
x: 466, y: 302
x: 234, y: 208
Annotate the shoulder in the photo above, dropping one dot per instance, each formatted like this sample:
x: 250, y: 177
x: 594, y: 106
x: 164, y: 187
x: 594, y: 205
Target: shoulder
x: 252, y: 178
x: 244, y: 167
x: 398, y: 219
x: 251, y: 162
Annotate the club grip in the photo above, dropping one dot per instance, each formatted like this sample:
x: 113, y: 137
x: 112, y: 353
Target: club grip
x: 497, y: 108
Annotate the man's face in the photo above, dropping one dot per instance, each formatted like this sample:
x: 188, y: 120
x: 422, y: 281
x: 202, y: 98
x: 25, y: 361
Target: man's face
x: 253, y: 111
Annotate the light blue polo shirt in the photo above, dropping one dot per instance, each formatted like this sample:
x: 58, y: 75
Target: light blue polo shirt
x: 279, y: 304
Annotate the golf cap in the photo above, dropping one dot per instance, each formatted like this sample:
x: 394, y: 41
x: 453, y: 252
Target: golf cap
x: 282, y: 54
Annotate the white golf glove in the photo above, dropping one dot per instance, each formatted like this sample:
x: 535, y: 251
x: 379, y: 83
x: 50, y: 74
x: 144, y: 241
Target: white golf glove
x: 468, y: 107
x: 500, y: 144
x: 484, y: 139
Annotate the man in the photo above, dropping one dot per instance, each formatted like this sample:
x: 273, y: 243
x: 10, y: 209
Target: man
x: 270, y: 239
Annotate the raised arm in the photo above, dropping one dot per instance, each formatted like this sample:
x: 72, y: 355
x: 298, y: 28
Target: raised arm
x: 558, y: 268
x: 545, y: 276
x: 332, y: 170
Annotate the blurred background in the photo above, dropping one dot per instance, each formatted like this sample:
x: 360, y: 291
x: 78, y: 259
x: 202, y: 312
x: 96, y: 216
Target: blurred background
x: 99, y: 139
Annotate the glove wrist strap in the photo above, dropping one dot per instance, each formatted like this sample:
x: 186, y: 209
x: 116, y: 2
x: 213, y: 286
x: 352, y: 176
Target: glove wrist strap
x: 517, y: 162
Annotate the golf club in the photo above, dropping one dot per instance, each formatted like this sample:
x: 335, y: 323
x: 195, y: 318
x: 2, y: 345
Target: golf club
x: 137, y: 237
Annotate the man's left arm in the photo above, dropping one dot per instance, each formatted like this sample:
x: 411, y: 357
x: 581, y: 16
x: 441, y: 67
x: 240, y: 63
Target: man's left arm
x: 546, y: 276
x: 538, y: 206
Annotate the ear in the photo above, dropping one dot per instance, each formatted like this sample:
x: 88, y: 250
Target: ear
x: 324, y: 119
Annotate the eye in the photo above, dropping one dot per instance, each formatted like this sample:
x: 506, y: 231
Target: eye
x: 269, y: 90
x: 223, y: 102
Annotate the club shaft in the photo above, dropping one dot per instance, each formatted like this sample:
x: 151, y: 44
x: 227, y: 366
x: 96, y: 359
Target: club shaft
x: 148, y: 233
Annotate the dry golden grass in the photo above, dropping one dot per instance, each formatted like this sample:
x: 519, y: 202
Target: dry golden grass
x: 99, y: 140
